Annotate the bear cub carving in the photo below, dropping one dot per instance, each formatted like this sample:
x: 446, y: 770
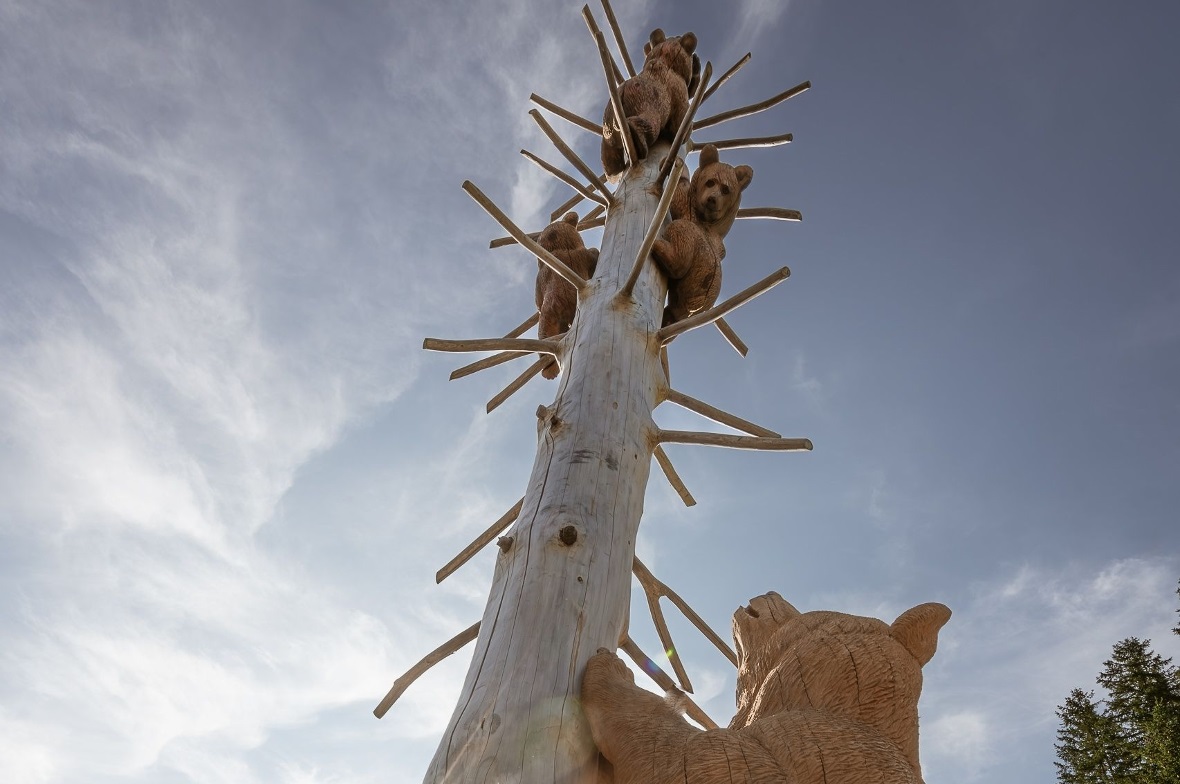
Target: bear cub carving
x: 823, y: 698
x: 692, y: 246
x: 655, y: 100
x: 557, y: 299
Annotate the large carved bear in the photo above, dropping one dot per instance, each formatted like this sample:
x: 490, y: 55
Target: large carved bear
x: 655, y: 100
x: 823, y: 698
x: 557, y: 299
x: 692, y: 246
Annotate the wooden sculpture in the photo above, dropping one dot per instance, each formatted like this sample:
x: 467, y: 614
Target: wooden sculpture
x: 566, y: 548
x: 823, y: 698
x: 557, y: 299
x: 654, y: 101
x: 692, y: 247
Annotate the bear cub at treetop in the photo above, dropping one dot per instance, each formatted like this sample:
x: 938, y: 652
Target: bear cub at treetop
x: 655, y: 100
x: 557, y: 299
x: 823, y: 698
x: 692, y: 246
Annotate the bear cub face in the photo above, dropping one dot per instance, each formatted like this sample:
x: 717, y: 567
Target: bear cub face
x: 715, y: 193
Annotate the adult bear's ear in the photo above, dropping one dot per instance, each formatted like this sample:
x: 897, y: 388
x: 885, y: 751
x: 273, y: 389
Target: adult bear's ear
x: 689, y: 42
x: 917, y: 629
x: 571, y: 218
x: 709, y: 156
x: 744, y: 176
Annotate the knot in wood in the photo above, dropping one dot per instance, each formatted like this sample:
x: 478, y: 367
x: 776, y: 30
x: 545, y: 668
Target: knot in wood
x: 568, y: 535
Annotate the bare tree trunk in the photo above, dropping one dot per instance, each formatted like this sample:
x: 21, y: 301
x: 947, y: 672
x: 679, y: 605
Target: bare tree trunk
x: 562, y: 589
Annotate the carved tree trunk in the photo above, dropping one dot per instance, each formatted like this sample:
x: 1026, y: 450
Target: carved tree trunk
x: 562, y: 589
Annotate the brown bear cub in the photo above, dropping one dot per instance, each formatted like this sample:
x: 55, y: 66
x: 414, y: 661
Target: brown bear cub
x: 655, y: 100
x: 823, y: 698
x: 691, y: 248
x: 557, y: 299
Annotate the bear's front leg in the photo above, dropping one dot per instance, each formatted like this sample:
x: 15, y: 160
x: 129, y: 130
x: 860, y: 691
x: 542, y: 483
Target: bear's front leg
x: 637, y: 731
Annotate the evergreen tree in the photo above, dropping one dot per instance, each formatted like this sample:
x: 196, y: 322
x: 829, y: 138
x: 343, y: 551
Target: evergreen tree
x: 1133, y: 735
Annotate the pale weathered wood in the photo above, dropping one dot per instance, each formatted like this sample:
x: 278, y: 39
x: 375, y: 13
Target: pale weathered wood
x: 735, y: 442
x: 614, y: 26
x: 725, y: 77
x: 492, y: 361
x: 754, y: 108
x: 750, y: 142
x: 429, y: 660
x: 567, y: 115
x: 487, y: 362
x: 662, y: 679
x: 771, y: 213
x: 491, y: 344
x: 571, y: 156
x: 480, y: 542
x: 592, y: 220
x: 653, y: 230
x: 562, y: 589
x: 613, y: 72
x: 717, y: 311
x: 551, y: 261
x: 673, y: 478
x: 519, y: 382
x: 731, y: 337
x: 663, y: 590
x: 616, y: 100
x: 651, y: 590
x: 686, y: 123
x: 566, y: 206
x: 567, y: 179
x: 716, y: 414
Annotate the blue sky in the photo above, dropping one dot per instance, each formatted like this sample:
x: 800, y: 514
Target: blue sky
x: 228, y: 473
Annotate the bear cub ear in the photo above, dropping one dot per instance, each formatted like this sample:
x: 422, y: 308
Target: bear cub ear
x: 689, y: 42
x: 917, y: 629
x: 744, y: 176
x: 709, y: 155
x: 571, y: 218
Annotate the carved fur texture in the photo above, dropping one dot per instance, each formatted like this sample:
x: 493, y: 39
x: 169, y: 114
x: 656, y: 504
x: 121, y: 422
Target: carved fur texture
x: 823, y: 698
x: 692, y: 247
x: 557, y: 299
x: 655, y: 100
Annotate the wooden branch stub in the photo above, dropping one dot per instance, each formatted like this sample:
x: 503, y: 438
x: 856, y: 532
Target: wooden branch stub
x: 725, y: 77
x: 717, y: 415
x: 519, y: 382
x: 612, y: 68
x: 491, y: 344
x: 480, y: 542
x: 771, y: 213
x: 717, y: 311
x: 568, y: 180
x: 614, y: 26
x: 554, y: 263
x: 653, y: 229
x: 571, y: 156
x: 686, y: 123
x: 673, y: 478
x: 753, y: 141
x: 754, y: 108
x: 616, y: 101
x: 567, y: 115
x: 731, y: 337
x: 565, y: 207
x: 661, y: 679
x: 593, y: 220
x: 492, y: 361
x: 735, y: 442
x: 644, y: 574
x: 429, y: 660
